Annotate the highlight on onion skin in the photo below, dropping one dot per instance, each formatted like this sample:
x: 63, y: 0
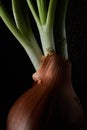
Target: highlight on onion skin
x: 51, y: 103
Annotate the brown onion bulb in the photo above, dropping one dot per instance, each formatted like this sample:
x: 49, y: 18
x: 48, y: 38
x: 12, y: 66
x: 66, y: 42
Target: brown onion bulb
x: 51, y: 103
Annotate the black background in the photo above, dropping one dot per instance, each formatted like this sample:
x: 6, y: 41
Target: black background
x: 16, y: 69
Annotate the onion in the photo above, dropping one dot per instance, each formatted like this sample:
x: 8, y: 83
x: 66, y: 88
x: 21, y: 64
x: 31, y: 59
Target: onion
x: 51, y: 102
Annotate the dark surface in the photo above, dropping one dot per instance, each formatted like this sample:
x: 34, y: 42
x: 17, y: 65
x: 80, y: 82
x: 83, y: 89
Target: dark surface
x: 77, y: 43
x: 16, y: 68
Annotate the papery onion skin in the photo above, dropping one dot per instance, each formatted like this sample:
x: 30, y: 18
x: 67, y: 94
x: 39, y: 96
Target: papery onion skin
x: 51, y: 103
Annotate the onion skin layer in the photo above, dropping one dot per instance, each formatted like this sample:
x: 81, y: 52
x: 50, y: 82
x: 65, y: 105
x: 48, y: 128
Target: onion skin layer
x: 51, y: 103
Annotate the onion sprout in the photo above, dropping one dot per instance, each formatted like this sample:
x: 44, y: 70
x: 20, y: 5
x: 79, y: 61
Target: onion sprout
x: 43, y: 13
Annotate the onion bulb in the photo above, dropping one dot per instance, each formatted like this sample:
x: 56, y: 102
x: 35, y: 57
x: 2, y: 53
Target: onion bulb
x: 51, y: 102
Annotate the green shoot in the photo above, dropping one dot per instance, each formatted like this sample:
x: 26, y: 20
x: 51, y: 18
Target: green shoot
x: 45, y: 24
x: 41, y: 4
x: 52, y: 33
x: 51, y: 13
x: 28, y: 41
x: 59, y: 23
x: 34, y: 13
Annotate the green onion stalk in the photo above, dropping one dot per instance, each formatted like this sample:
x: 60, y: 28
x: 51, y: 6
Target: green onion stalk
x: 43, y: 14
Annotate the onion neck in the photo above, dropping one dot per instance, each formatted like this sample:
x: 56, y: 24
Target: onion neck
x: 53, y: 70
